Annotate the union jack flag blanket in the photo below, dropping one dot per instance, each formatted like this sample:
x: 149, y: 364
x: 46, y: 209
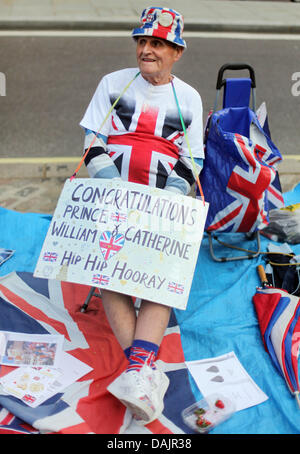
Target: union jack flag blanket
x: 40, y: 306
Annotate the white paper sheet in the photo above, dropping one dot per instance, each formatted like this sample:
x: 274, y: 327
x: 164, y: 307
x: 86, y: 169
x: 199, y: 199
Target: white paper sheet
x: 22, y: 349
x: 34, y: 385
x: 226, y: 375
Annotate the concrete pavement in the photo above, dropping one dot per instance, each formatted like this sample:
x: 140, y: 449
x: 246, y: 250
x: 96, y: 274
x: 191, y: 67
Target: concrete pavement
x: 34, y: 184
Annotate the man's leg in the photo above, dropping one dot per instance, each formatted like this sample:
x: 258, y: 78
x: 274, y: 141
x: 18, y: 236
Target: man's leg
x: 120, y: 312
x: 153, y: 319
x: 151, y: 325
x: 142, y: 386
x: 152, y: 322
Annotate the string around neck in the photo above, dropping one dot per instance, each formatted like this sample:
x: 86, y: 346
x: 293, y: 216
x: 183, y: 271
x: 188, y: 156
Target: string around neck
x: 196, y: 176
x: 102, y: 124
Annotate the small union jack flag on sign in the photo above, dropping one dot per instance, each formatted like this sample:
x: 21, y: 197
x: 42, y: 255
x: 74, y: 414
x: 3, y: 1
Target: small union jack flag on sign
x: 118, y: 217
x: 100, y: 279
x: 111, y: 244
x: 28, y: 398
x: 50, y: 256
x: 175, y: 288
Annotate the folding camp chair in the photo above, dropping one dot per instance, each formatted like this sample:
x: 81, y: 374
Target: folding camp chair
x: 239, y: 167
x: 95, y: 291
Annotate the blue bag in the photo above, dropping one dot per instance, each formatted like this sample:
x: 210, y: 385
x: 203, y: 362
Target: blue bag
x: 239, y: 171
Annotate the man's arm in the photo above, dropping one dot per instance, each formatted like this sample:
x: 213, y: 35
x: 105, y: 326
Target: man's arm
x: 98, y: 162
x: 182, y: 176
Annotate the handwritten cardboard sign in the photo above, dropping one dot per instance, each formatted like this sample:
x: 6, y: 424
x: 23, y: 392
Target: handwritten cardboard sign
x: 126, y: 237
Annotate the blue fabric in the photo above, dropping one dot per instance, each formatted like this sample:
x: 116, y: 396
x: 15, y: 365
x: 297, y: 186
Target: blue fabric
x: 237, y: 93
x: 127, y: 352
x: 231, y: 161
x: 220, y: 317
x: 288, y: 349
x: 145, y: 345
x: 24, y: 233
x: 233, y: 121
x: 282, y: 305
x: 292, y: 196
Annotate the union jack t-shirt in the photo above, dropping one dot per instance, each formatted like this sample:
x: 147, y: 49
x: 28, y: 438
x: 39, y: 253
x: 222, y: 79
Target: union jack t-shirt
x: 143, y: 139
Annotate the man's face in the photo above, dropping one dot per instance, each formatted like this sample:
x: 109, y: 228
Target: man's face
x: 155, y: 58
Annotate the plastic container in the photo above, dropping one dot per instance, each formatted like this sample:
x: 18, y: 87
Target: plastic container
x: 207, y: 413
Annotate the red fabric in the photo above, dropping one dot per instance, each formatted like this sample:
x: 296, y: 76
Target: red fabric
x: 261, y: 301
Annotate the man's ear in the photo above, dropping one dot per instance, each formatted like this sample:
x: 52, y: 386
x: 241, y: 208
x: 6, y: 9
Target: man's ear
x: 179, y: 52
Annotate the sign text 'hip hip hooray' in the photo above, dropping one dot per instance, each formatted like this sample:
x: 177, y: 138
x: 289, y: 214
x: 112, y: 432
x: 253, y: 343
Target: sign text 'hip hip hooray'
x: 125, y: 237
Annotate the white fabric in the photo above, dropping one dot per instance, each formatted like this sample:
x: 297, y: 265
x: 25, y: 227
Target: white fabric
x: 142, y: 94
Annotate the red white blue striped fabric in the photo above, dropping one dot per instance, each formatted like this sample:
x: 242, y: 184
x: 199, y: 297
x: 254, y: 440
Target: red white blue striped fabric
x: 10, y: 424
x: 278, y: 314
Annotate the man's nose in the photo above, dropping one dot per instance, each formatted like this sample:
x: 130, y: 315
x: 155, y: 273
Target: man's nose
x: 147, y: 47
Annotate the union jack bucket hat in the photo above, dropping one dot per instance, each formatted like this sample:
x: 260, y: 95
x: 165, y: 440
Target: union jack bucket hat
x: 162, y: 23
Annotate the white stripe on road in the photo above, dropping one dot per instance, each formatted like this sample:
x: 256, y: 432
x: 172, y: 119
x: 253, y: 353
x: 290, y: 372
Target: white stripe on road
x: 74, y: 159
x: 122, y: 34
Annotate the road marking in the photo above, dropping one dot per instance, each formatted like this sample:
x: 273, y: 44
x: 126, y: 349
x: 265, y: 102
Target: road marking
x: 40, y: 160
x: 72, y: 159
x: 243, y: 35
x: 292, y: 156
x: 126, y: 34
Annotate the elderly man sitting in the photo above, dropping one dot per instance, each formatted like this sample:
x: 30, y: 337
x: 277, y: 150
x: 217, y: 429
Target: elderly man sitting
x: 147, y: 119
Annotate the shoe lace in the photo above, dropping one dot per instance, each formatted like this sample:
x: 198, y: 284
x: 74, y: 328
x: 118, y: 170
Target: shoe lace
x: 141, y: 382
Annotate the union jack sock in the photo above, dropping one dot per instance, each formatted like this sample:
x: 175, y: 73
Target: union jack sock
x: 127, y: 352
x: 142, y: 352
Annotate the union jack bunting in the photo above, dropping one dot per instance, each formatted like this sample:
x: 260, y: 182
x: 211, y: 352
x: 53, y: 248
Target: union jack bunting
x: 111, y: 244
x: 176, y: 288
x: 100, y: 279
x: 50, y: 257
x: 238, y: 175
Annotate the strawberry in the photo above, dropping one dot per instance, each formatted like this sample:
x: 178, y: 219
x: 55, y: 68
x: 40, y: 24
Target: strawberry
x: 219, y: 404
x: 202, y: 422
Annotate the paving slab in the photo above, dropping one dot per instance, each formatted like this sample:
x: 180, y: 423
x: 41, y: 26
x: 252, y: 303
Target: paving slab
x: 40, y: 190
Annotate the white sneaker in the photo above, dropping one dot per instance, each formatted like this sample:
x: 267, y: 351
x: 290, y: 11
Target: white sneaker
x: 159, y: 384
x: 142, y: 392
